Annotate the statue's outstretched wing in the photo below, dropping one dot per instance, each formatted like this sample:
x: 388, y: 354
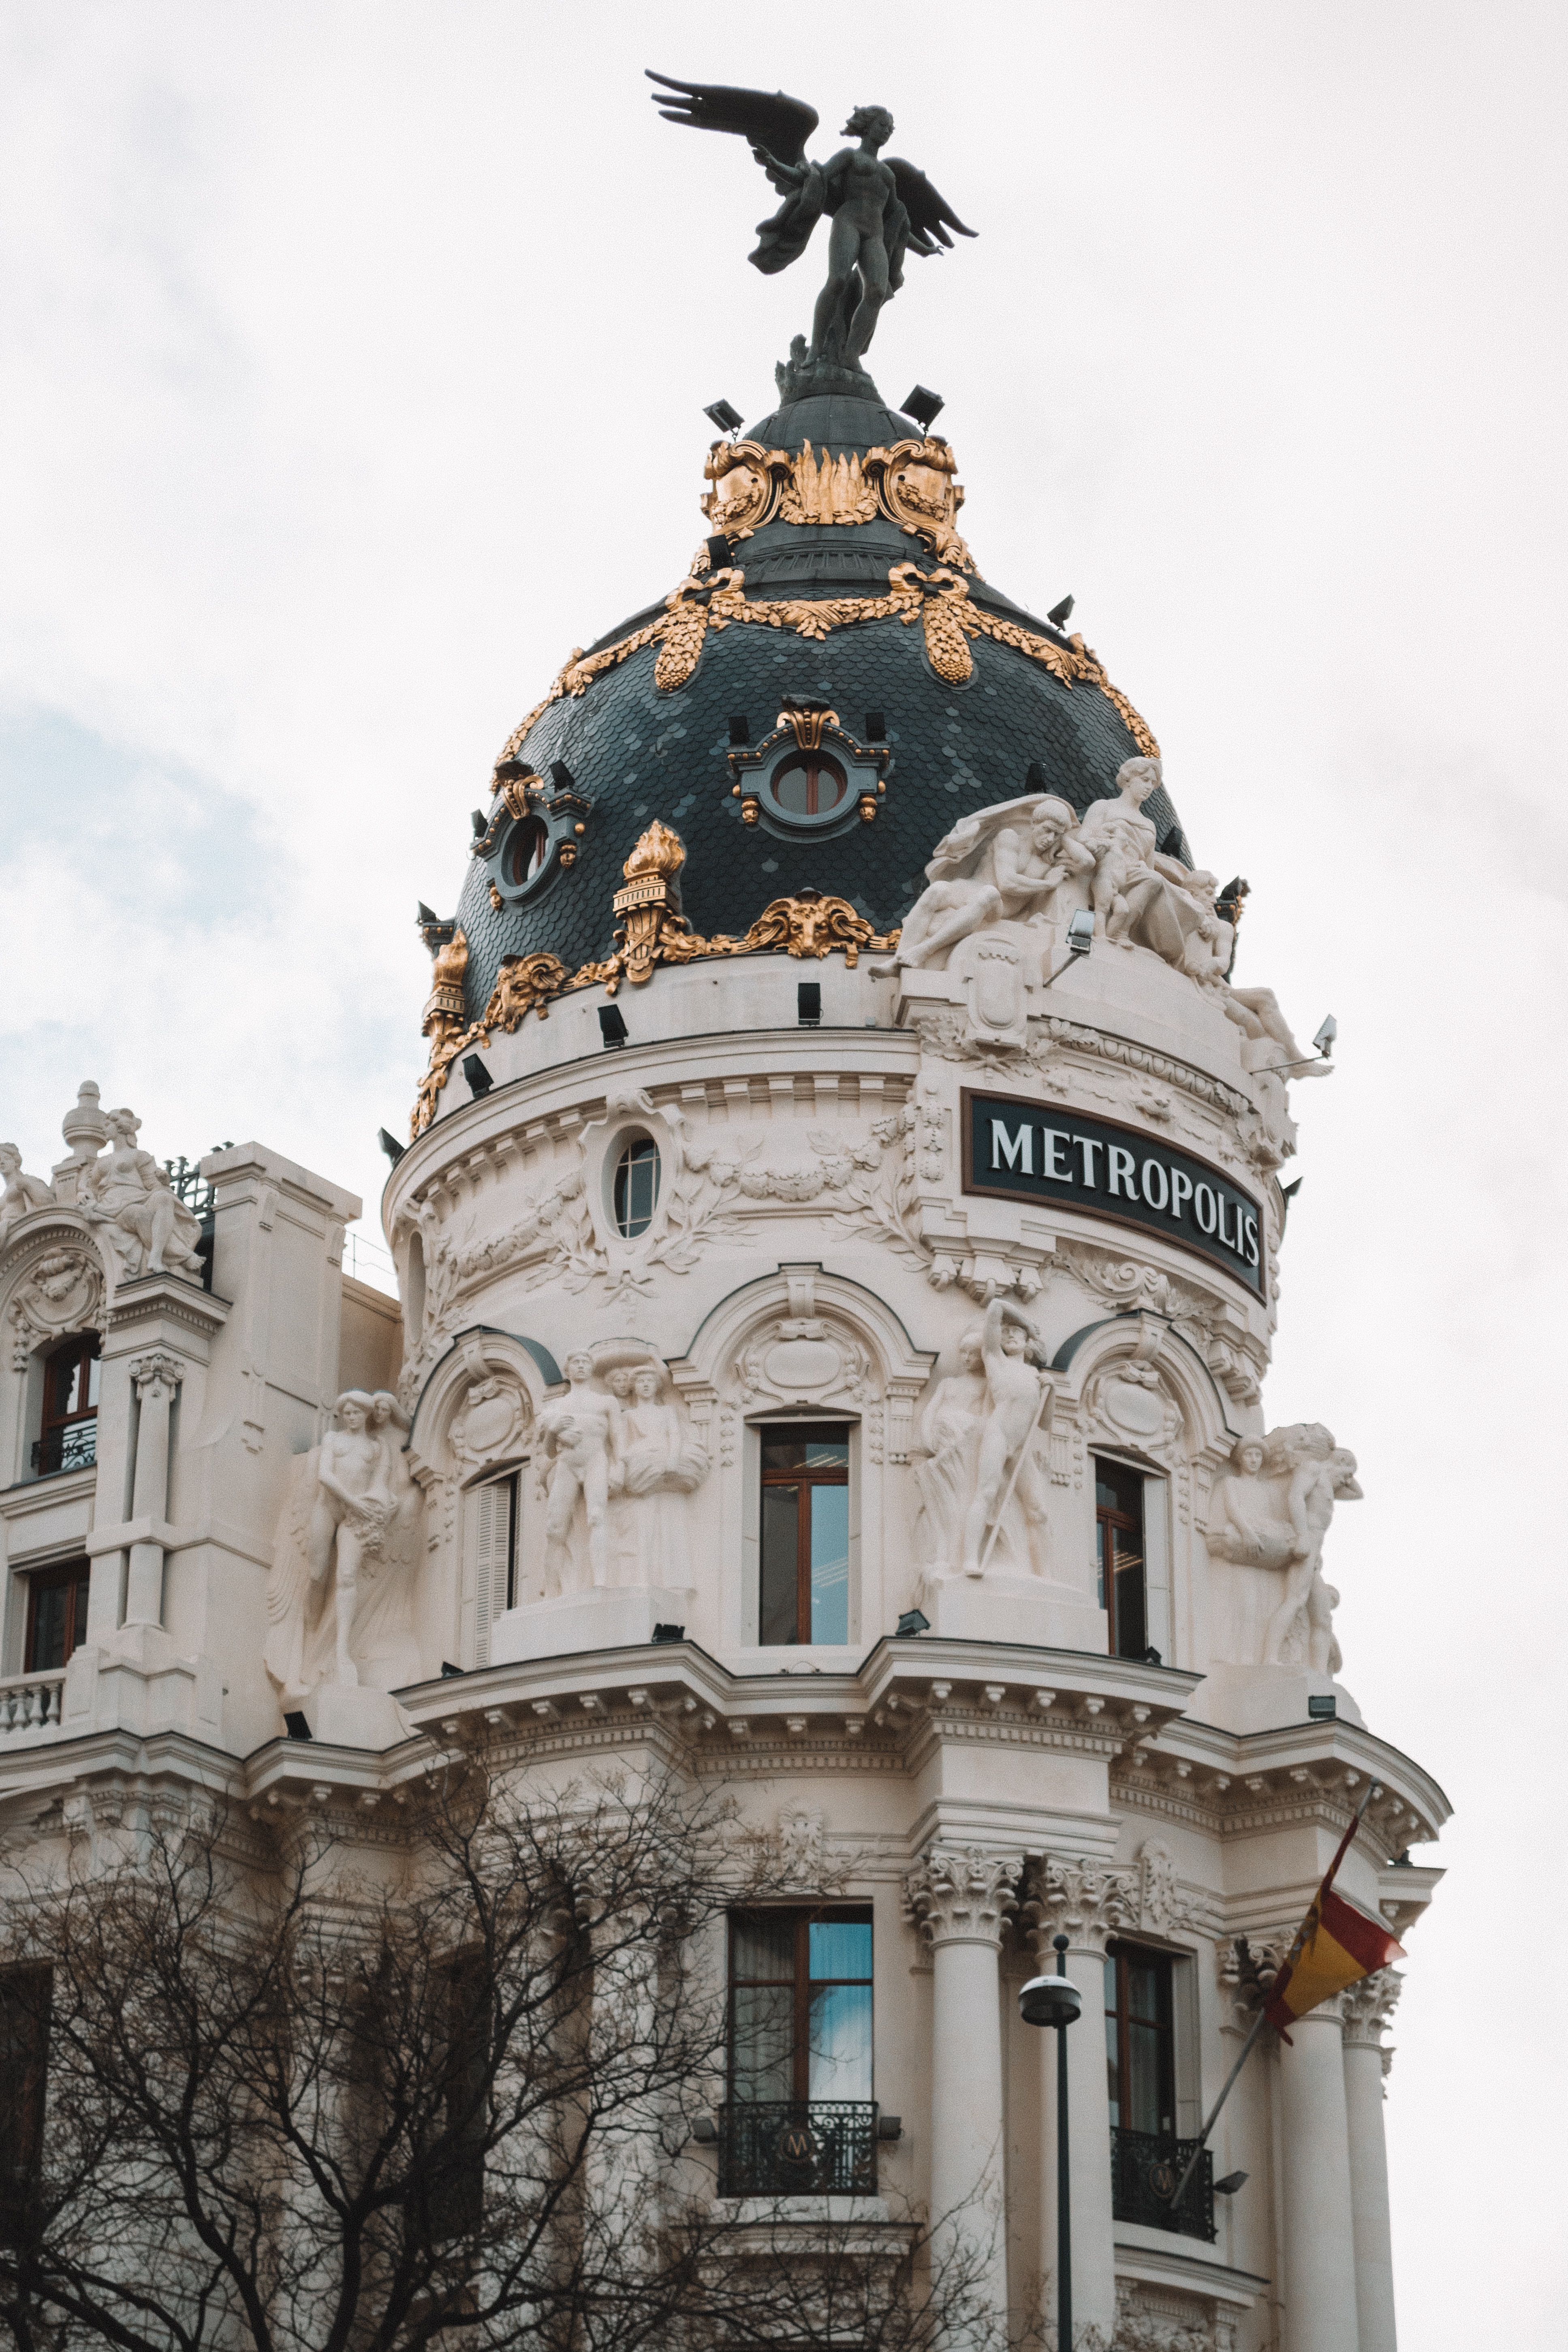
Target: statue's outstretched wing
x: 766, y: 118
x: 931, y: 215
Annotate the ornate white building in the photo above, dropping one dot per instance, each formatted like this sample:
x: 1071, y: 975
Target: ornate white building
x: 833, y: 1316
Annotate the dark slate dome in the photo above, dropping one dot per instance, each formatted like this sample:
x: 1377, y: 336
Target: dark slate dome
x: 636, y: 754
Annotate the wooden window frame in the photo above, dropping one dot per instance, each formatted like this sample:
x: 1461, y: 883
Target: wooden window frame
x: 804, y: 1478
x: 1120, y: 1956
x: 78, y: 1347
x: 851, y: 1915
x: 1108, y: 1523
x: 74, y: 1574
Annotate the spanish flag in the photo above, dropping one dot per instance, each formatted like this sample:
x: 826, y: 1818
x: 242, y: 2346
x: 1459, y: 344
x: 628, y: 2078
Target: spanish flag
x: 1336, y: 1945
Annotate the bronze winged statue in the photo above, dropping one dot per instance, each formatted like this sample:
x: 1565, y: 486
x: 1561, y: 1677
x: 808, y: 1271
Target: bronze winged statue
x: 880, y: 207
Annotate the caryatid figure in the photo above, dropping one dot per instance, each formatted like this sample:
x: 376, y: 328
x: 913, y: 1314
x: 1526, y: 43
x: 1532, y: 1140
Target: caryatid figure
x: 1016, y: 1391
x: 578, y: 1437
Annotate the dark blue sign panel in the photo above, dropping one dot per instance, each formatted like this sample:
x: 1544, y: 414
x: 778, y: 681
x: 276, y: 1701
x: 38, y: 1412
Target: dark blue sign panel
x: 1022, y: 1150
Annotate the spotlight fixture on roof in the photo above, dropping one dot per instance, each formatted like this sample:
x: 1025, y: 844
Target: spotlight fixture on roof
x: 478, y: 1077
x: 739, y: 726
x: 875, y: 726
x: 670, y: 1632
x: 613, y: 1030
x: 1080, y: 942
x: 924, y: 407
x: 726, y: 419
x: 390, y: 1145
x: 449, y: 1671
x: 1328, y: 1029
x: 477, y: 819
x: 808, y: 1003
x: 721, y: 554
x: 561, y: 776
x: 296, y: 1726
x: 1230, y: 2184
x: 1060, y: 614
x: 913, y: 1621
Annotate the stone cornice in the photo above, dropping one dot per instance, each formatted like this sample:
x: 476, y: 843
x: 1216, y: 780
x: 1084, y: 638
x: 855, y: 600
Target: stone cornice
x: 162, y: 1299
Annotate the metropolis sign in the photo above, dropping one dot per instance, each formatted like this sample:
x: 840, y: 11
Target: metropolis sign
x: 1018, y: 1150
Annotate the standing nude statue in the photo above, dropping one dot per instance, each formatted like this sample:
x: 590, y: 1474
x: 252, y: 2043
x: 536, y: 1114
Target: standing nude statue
x: 1317, y: 1482
x: 578, y: 1437
x: 353, y: 1503
x: 1016, y: 1393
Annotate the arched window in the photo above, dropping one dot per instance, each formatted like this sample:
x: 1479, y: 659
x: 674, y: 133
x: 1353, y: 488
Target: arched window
x: 67, y: 1439
x: 635, y: 1191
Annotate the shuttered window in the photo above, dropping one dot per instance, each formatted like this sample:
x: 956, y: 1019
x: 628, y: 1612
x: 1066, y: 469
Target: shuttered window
x: 495, y: 1516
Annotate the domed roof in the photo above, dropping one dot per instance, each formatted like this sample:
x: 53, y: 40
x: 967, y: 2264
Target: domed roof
x: 615, y: 746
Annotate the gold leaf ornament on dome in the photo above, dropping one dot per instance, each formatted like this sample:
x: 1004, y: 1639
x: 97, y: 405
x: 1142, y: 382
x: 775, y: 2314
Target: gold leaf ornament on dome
x: 720, y: 602
x: 807, y: 925
x: 912, y: 484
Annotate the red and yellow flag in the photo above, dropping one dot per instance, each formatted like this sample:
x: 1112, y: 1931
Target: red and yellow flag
x: 1336, y: 1945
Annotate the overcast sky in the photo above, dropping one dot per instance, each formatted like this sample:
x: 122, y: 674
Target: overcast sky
x: 354, y: 361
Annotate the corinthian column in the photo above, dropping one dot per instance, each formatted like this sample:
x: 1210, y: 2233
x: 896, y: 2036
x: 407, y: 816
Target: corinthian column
x: 1087, y: 1906
x: 1319, y: 2241
x: 1367, y: 2008
x: 961, y: 1898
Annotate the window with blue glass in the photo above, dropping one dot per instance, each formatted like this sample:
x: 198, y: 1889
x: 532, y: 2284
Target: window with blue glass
x: 805, y: 1534
x: 800, y: 2006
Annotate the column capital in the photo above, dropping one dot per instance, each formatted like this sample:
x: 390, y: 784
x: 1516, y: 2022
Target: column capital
x: 1078, y: 1900
x: 962, y: 1895
x: 158, y: 1368
x: 1367, y: 2007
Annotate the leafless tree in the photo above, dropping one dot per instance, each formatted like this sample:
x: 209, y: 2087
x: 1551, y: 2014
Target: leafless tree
x: 298, y: 2094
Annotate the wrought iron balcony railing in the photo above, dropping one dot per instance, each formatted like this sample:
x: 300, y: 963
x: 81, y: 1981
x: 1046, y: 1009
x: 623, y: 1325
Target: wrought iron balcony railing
x: 73, y: 1446
x: 1144, y: 2169
x: 798, y: 2148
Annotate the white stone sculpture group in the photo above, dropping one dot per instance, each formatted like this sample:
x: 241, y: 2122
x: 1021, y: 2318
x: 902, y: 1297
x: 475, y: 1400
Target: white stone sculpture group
x: 340, y: 1592
x: 982, y: 1498
x: 123, y: 1191
x: 615, y: 1463
x: 1007, y: 874
x: 1273, y: 1512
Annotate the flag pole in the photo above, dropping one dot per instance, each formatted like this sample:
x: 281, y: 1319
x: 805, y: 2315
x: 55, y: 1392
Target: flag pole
x: 1258, y: 2022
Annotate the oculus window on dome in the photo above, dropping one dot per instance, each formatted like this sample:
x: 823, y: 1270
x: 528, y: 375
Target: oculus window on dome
x: 810, y: 776
x: 534, y: 833
x: 1019, y: 1151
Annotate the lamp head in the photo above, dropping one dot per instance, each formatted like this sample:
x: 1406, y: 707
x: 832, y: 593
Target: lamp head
x: 1325, y: 1040
x: 1081, y: 932
x: 1050, y: 2001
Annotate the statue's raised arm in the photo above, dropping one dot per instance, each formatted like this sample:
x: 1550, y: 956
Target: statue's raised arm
x: 880, y: 208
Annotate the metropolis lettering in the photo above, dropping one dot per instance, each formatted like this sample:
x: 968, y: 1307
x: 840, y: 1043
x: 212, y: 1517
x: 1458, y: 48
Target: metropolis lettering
x: 1025, y: 1151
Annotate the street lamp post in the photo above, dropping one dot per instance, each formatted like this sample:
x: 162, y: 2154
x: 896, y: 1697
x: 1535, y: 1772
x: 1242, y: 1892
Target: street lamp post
x: 1055, y: 2002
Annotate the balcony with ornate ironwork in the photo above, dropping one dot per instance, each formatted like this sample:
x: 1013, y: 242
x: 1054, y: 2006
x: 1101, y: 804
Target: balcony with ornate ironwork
x: 798, y: 2148
x: 1144, y: 2169
x: 71, y: 1446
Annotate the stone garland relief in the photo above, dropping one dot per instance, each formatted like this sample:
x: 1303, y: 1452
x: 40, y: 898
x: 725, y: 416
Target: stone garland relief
x: 861, y: 1184
x: 616, y: 1461
x: 340, y: 1589
x: 1272, y: 1512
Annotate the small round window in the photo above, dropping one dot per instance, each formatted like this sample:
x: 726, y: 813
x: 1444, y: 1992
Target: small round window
x: 635, y: 1191
x: 808, y: 786
x: 528, y: 851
